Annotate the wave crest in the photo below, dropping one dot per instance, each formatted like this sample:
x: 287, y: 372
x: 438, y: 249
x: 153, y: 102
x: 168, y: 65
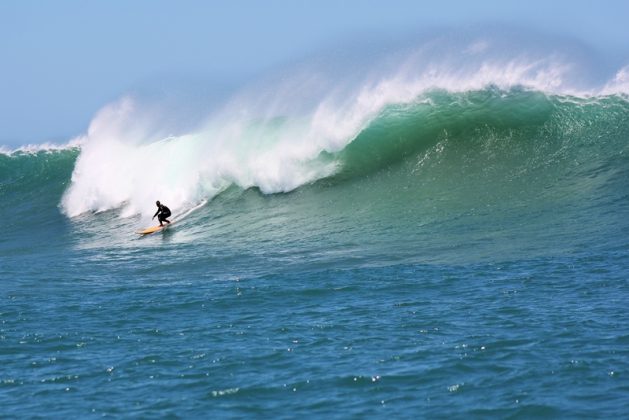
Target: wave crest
x: 280, y: 135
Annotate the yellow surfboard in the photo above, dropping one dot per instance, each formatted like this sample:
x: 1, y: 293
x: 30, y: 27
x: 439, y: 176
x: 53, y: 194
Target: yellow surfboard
x: 153, y: 229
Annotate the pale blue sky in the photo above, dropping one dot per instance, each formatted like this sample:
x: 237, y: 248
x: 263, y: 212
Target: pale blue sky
x: 63, y: 60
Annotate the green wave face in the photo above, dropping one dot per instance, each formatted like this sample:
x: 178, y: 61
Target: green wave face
x: 493, y: 171
x: 31, y: 184
x: 517, y: 128
x: 492, y: 148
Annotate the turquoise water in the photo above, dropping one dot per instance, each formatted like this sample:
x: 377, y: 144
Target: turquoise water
x: 467, y: 256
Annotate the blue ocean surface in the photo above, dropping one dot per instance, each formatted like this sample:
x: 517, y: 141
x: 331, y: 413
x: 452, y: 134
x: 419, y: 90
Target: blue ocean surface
x: 454, y: 253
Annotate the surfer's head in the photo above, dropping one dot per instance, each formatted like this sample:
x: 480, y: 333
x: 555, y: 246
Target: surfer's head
x: 157, y: 203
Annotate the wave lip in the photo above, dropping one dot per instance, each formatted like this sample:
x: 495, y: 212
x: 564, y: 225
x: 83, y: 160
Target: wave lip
x: 31, y: 149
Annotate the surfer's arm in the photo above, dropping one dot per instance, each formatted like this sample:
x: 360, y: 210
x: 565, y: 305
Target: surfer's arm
x: 156, y: 213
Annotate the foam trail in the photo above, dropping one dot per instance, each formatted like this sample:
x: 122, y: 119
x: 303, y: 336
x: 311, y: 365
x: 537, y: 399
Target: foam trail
x: 187, y: 212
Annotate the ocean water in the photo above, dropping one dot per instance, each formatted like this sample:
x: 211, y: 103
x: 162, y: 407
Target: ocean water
x: 416, y: 249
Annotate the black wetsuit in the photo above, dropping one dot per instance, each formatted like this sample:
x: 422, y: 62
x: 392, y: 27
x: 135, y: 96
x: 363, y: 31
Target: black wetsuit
x: 162, y: 214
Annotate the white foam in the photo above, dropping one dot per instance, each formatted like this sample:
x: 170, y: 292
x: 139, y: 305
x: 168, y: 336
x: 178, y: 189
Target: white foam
x: 126, y: 168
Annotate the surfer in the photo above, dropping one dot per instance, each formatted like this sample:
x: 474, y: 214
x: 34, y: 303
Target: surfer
x: 162, y: 213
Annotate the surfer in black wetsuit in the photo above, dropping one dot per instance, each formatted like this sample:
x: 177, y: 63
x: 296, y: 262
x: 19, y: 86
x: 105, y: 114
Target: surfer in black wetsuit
x: 162, y: 213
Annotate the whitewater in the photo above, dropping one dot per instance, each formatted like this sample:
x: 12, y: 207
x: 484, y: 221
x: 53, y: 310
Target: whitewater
x: 437, y: 230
